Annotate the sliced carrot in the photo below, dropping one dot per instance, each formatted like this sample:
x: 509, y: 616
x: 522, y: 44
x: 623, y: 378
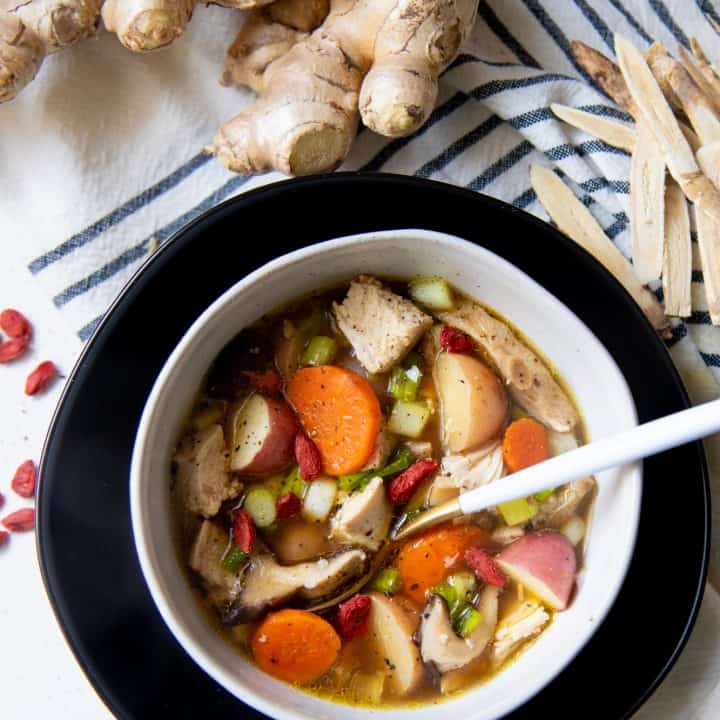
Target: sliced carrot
x: 525, y: 444
x: 295, y: 645
x: 340, y: 412
x: 428, y: 559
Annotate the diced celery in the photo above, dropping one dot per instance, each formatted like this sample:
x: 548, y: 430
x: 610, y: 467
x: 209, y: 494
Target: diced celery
x: 400, y: 460
x: 313, y: 324
x: 261, y: 506
x: 321, y: 350
x: 319, y: 499
x: 574, y: 529
x: 401, y: 387
x: 409, y: 418
x: 433, y: 292
x: 294, y: 483
x: 234, y: 559
x: 465, y: 585
x: 543, y: 495
x: 517, y: 511
x: 388, y: 581
x: 467, y: 622
x: 450, y: 595
x: 275, y: 484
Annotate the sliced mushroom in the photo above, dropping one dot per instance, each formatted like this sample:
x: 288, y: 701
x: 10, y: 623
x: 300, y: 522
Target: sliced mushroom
x: 364, y: 518
x: 516, y: 629
x: 530, y: 382
x: 266, y: 583
x: 202, y: 478
x: 442, y: 647
x: 390, y: 631
x: 206, y: 556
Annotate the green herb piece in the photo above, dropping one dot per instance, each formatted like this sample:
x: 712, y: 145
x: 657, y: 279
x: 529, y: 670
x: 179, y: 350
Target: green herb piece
x: 234, y: 559
x: 468, y: 621
x: 294, y: 483
x: 388, y: 581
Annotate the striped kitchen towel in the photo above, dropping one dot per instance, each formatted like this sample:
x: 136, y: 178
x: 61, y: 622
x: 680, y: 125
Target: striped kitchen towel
x: 101, y: 161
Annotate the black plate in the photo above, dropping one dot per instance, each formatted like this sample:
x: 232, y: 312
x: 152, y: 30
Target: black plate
x: 85, y: 542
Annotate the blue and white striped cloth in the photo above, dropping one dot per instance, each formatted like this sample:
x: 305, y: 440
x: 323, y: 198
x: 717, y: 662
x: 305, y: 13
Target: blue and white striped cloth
x: 101, y: 155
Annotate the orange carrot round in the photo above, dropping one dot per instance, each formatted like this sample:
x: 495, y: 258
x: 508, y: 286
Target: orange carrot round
x: 525, y: 444
x: 340, y: 412
x: 295, y: 645
x: 429, y: 558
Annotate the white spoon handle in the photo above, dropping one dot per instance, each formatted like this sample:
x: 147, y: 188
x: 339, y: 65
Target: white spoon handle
x: 642, y: 441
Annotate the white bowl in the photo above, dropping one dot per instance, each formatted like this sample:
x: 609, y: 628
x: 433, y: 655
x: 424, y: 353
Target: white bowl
x: 595, y: 379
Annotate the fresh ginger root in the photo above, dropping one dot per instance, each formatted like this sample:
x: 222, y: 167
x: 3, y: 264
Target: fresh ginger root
x: 375, y: 59
x: 32, y: 29
x: 145, y: 25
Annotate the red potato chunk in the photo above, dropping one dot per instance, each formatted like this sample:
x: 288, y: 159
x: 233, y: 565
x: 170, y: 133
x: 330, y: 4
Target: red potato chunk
x: 264, y: 436
x: 544, y: 562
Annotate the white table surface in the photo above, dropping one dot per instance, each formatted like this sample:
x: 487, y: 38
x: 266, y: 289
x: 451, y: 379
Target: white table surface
x: 39, y: 677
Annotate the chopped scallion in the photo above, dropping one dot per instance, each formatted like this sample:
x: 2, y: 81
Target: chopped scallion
x: 321, y: 350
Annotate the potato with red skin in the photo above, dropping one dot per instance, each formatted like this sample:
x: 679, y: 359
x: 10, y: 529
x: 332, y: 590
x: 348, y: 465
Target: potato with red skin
x: 264, y: 436
x: 544, y: 562
x: 473, y: 402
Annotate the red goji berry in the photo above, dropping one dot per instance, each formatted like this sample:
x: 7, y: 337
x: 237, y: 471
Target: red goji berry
x: 40, y: 377
x: 244, y: 531
x: 23, y: 482
x: 353, y: 616
x: 20, y: 520
x: 14, y: 323
x: 2, y: 499
x: 402, y: 487
x: 455, y: 341
x: 288, y: 506
x: 308, y: 457
x: 13, y: 349
x: 4, y: 536
x: 268, y: 381
x: 484, y: 566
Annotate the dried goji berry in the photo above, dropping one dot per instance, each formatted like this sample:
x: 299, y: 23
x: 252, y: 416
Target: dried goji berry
x: 268, y: 381
x: 485, y: 567
x: 14, y: 323
x: 13, y: 349
x: 244, y: 531
x: 288, y: 506
x: 308, y: 457
x: 455, y: 341
x: 402, y: 487
x: 2, y: 499
x: 23, y: 482
x: 4, y: 536
x: 20, y: 520
x: 40, y: 377
x: 353, y: 616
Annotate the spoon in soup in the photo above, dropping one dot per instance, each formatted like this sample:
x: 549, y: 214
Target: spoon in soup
x: 624, y: 447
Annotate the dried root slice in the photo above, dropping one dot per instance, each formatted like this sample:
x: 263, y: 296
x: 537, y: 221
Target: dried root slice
x: 709, y: 70
x: 660, y: 62
x: 709, y: 88
x: 708, y: 235
x: 647, y: 199
x: 696, y: 104
x: 614, y: 133
x: 708, y: 157
x: 656, y: 112
x: 21, y: 54
x: 677, y: 256
x: 605, y: 73
x: 576, y: 221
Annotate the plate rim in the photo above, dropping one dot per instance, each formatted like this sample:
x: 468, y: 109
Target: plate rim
x: 185, y: 234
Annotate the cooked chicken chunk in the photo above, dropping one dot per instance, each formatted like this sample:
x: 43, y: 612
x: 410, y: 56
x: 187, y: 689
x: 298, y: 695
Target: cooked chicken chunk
x: 266, y: 583
x: 206, y: 557
x: 364, y: 518
x: 467, y: 471
x: 524, y: 623
x: 202, y: 478
x: 530, y: 382
x: 380, y: 325
x: 441, y: 646
x: 562, y: 504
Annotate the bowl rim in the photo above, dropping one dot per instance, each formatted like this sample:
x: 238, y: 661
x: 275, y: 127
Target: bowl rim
x: 140, y: 450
